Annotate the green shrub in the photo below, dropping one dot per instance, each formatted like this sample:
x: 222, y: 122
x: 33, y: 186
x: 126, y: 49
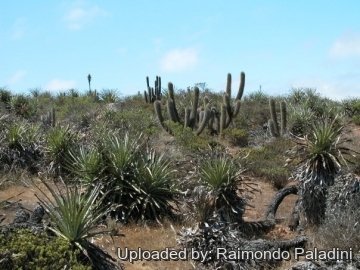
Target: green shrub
x: 30, y: 251
x: 356, y: 119
x: 351, y: 107
x: 23, y: 106
x: 186, y: 138
x: 133, y: 120
x: 5, y: 96
x: 257, y: 96
x: 236, y: 136
x: 269, y: 161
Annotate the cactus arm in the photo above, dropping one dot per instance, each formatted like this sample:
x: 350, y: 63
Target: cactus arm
x: 193, y: 113
x: 204, y: 121
x: 222, y: 119
x: 228, y: 85
x: 172, y: 96
x: 241, y: 87
x: 171, y: 110
x: 283, y: 117
x: 273, y: 116
x: 157, y: 107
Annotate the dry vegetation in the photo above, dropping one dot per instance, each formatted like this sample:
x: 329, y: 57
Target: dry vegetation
x: 174, y: 160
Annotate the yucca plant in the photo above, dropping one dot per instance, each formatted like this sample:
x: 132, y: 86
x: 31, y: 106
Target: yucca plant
x: 120, y: 156
x: 14, y: 136
x: 86, y: 163
x: 109, y: 96
x: 323, y: 154
x: 153, y: 189
x: 121, y: 152
x: 300, y: 119
x: 222, y: 178
x: 75, y: 214
x: 60, y: 142
x: 23, y: 106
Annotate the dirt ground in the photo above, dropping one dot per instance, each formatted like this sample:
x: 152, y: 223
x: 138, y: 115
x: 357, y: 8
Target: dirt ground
x: 156, y: 238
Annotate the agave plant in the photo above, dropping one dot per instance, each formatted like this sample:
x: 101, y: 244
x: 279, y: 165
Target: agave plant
x: 74, y: 215
x: 323, y: 154
x: 222, y: 177
x: 153, y: 189
x: 60, y: 141
x: 121, y: 152
x: 109, y: 96
x: 15, y: 134
x: 86, y: 163
x: 120, y: 157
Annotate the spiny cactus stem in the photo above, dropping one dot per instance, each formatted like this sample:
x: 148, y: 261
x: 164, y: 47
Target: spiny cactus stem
x: 172, y: 96
x: 241, y: 86
x: 193, y: 113
x: 273, y: 115
x: 229, y: 112
x: 237, y: 107
x: 204, y: 121
x: 228, y: 84
x: 171, y: 110
x: 157, y: 107
x: 272, y: 128
x: 222, y: 119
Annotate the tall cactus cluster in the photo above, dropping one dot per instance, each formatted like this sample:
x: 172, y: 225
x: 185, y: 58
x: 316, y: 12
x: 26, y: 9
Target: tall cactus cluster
x: 153, y: 93
x: 198, y: 118
x: 273, y: 124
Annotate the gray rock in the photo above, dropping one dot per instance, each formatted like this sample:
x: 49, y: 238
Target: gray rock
x: 37, y: 216
x: 21, y: 216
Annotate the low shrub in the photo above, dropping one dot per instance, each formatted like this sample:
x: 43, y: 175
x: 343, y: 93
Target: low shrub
x: 236, y: 136
x: 269, y: 161
x: 21, y: 249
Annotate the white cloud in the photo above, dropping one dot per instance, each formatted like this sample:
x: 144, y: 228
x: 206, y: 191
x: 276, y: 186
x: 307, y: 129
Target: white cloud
x: 346, y: 46
x: 18, y: 29
x: 338, y: 89
x: 17, y: 77
x: 179, y: 60
x: 56, y: 85
x: 77, y: 17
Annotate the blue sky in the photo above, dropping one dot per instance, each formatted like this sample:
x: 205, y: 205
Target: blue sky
x: 54, y: 45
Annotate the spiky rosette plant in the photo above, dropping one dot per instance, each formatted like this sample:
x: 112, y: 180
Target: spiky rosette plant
x: 323, y: 154
x: 74, y: 215
x: 120, y: 156
x: 222, y: 178
x: 154, y: 190
x: 60, y: 141
x: 86, y: 163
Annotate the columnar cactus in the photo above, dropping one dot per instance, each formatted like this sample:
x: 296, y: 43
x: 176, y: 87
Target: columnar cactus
x: 273, y: 124
x: 198, y: 119
x: 233, y: 110
x: 192, y: 118
x: 153, y: 93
